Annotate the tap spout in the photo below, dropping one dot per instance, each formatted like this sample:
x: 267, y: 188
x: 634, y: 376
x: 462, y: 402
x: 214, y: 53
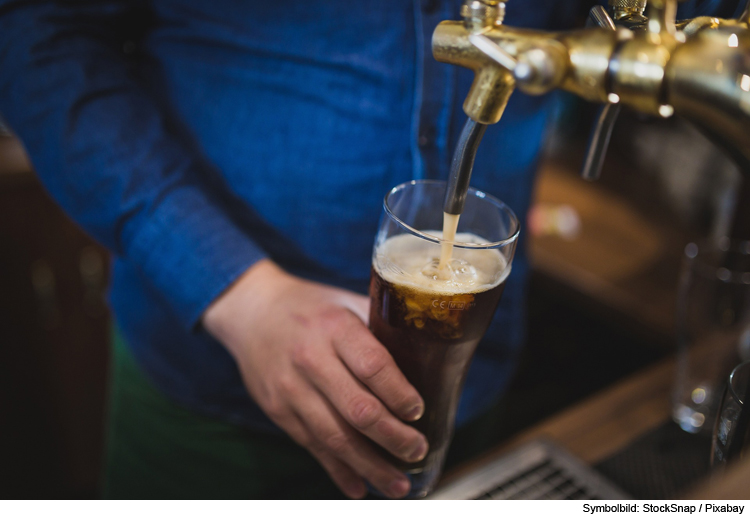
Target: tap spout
x: 461, y: 166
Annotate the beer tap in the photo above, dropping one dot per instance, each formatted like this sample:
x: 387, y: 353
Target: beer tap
x: 627, y: 14
x: 477, y: 17
x: 496, y: 72
x: 698, y: 69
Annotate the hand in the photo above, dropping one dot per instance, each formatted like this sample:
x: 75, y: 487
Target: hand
x: 309, y: 361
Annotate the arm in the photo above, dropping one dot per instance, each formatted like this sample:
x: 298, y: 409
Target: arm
x: 104, y: 150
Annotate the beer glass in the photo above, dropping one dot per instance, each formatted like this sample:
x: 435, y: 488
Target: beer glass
x: 431, y: 319
x: 731, y: 430
x: 713, y: 327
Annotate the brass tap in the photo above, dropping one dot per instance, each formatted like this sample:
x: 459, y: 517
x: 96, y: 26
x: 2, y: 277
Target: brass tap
x: 532, y: 59
x: 698, y: 68
x: 480, y: 15
x: 628, y: 13
x: 638, y: 69
x: 626, y: 8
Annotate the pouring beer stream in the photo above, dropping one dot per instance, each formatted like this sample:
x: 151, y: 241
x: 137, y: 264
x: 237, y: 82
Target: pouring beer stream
x: 458, y: 186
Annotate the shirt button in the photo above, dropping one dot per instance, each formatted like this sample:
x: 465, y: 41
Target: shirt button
x: 429, y: 6
x: 423, y: 141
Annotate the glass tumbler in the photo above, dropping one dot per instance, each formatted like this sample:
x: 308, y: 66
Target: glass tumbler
x: 431, y: 321
x: 731, y: 436
x: 713, y: 328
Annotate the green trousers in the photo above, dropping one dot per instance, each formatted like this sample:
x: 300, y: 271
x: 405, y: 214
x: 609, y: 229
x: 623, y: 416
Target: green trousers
x: 157, y: 449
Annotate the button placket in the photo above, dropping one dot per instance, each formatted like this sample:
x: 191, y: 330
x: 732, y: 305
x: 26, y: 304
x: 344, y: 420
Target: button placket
x: 437, y: 91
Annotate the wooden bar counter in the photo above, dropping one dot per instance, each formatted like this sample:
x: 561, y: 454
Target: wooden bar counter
x: 609, y: 421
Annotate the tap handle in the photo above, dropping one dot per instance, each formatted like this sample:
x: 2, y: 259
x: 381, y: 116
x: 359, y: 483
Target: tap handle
x: 494, y: 52
x: 745, y: 16
x: 598, y: 17
x: 605, y: 121
x: 534, y: 70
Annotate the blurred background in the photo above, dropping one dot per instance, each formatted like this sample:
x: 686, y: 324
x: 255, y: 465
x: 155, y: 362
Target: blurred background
x: 606, y: 259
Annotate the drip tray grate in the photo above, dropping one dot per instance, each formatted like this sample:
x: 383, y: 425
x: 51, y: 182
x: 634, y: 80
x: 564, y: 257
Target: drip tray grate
x: 537, y: 470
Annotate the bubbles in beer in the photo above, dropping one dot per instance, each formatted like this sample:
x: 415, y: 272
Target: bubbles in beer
x: 433, y: 298
x: 455, y: 271
x: 415, y: 263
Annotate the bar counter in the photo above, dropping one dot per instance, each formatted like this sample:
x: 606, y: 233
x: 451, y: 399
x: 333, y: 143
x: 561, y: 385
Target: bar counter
x: 610, y: 421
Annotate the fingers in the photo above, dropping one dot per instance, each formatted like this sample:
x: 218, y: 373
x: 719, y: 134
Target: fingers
x: 371, y: 363
x: 334, y: 438
x: 362, y: 410
x: 342, y: 475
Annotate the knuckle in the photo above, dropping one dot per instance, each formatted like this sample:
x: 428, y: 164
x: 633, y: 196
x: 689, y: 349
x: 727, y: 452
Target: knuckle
x: 337, y: 442
x: 364, y: 413
x: 372, y: 362
x: 303, y: 357
x: 276, y: 409
x: 334, y: 319
x: 287, y: 385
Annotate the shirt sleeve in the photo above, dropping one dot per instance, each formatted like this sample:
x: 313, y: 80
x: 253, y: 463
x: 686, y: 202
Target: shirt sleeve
x: 104, y: 150
x: 717, y: 8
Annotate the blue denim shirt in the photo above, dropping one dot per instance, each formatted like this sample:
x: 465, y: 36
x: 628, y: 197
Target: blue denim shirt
x: 194, y: 138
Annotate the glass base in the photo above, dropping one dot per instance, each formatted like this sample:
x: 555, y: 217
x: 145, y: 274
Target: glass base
x: 423, y: 480
x: 422, y: 483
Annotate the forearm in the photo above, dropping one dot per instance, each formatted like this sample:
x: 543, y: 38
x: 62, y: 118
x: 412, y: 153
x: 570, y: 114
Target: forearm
x: 103, y: 148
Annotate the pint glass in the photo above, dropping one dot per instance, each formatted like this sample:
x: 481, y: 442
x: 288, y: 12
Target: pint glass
x: 713, y: 327
x: 431, y: 322
x: 731, y: 432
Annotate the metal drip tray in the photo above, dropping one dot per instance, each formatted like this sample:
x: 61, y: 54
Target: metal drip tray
x: 537, y: 470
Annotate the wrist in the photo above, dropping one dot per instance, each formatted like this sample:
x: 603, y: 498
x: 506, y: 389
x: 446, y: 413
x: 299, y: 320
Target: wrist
x: 255, y: 283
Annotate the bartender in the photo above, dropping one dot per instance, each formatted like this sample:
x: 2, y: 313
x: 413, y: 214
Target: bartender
x: 233, y: 157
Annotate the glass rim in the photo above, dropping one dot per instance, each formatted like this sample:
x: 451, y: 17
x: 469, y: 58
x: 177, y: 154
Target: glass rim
x: 732, y: 390
x: 695, y: 251
x: 462, y: 245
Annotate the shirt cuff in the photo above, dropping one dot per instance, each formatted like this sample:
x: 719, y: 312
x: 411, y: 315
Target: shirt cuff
x: 191, y: 251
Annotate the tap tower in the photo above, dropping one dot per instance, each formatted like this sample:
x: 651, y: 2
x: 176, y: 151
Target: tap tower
x: 636, y: 54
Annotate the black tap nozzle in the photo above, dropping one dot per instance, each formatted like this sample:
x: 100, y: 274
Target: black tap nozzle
x: 461, y: 166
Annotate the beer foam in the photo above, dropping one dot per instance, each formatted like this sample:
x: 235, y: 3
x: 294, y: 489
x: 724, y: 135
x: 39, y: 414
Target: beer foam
x: 410, y: 261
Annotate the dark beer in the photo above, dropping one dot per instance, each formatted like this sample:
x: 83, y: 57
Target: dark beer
x: 431, y: 326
